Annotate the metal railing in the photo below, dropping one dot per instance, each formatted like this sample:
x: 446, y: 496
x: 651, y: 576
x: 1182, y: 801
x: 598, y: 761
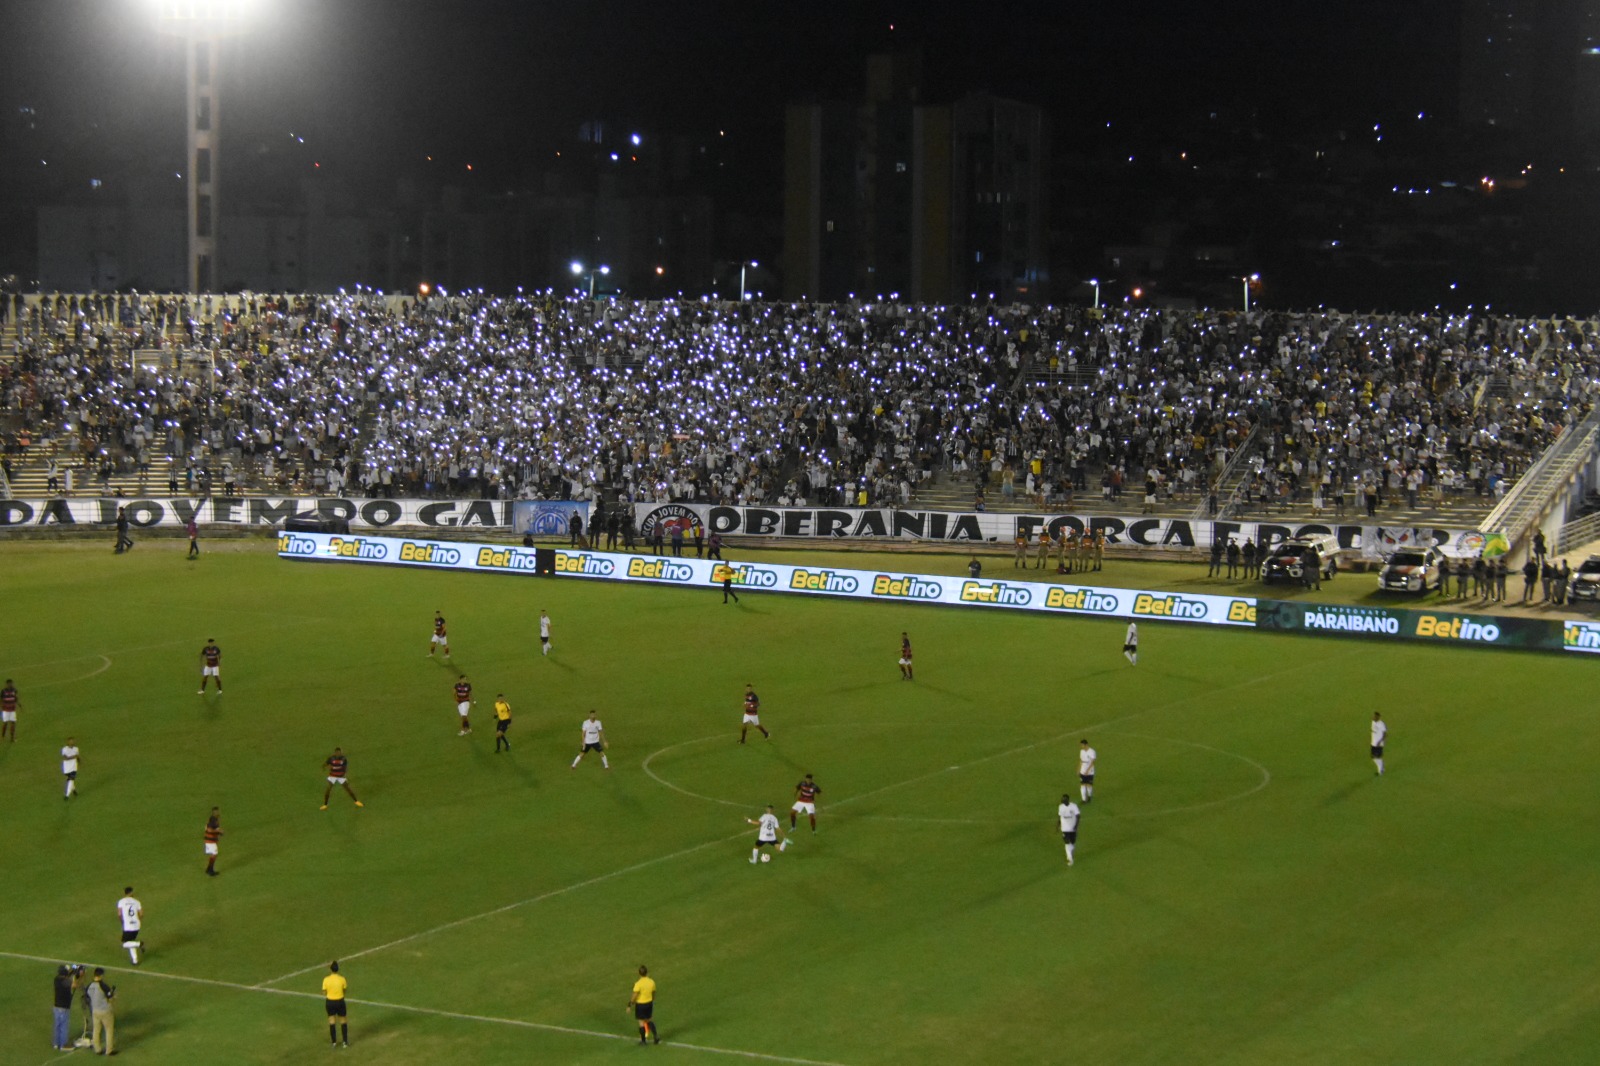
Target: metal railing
x: 1550, y: 474
x: 1577, y: 533
x: 1226, y: 481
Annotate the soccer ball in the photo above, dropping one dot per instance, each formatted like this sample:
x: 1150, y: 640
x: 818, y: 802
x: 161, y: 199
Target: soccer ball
x: 765, y: 857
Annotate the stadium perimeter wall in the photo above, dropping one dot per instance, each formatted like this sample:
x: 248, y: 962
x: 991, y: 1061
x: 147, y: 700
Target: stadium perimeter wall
x: 976, y: 527
x: 549, y: 518
x: 1045, y: 597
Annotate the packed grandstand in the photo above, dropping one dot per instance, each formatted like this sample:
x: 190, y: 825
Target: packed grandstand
x: 777, y: 403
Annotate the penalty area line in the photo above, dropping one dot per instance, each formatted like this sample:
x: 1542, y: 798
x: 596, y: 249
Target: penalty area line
x: 520, y: 1023
x: 552, y: 894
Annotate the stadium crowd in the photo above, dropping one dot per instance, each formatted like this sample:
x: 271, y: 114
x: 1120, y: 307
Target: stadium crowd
x: 766, y: 402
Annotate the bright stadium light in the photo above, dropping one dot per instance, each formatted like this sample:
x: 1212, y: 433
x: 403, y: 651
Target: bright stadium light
x: 578, y: 270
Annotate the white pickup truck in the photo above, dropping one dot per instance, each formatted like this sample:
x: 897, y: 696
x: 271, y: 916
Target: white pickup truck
x: 1287, y: 561
x: 1412, y: 570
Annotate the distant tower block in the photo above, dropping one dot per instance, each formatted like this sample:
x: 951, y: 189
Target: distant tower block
x: 203, y: 24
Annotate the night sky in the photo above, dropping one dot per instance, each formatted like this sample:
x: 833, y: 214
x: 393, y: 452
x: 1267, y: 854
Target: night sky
x: 376, y: 86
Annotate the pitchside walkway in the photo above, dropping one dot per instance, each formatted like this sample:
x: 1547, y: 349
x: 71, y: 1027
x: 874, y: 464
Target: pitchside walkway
x: 950, y: 492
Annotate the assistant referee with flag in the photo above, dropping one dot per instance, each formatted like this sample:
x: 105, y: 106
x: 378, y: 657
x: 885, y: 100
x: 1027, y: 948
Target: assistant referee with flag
x: 642, y: 1003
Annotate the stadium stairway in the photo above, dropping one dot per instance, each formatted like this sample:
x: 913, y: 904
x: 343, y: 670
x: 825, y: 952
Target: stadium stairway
x: 30, y: 477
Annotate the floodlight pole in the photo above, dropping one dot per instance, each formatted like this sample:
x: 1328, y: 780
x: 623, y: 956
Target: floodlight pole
x: 202, y: 24
x: 205, y: 191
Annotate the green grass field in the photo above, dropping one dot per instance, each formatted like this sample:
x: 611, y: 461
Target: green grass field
x: 1246, y: 891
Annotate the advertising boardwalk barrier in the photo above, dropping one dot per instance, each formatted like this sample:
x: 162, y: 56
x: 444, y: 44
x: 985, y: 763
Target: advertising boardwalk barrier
x: 1046, y: 597
x: 1320, y: 619
x: 1487, y: 630
x: 1581, y: 636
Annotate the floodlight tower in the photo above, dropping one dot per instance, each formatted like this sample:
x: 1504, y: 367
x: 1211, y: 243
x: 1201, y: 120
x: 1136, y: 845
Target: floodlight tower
x: 202, y: 24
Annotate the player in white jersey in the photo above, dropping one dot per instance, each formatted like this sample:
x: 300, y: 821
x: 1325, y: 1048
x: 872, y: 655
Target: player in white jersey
x: 69, y: 766
x: 594, y: 739
x: 544, y: 632
x: 769, y: 833
x: 1068, y: 813
x: 1086, y: 759
x: 1130, y: 644
x: 132, y: 914
x: 1380, y: 731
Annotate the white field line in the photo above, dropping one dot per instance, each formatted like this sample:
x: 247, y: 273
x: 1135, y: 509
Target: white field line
x: 552, y: 894
x: 658, y: 779
x: 105, y: 664
x: 1056, y: 739
x: 1266, y: 779
x: 92, y: 655
x: 635, y: 867
x: 520, y: 1023
x: 264, y: 986
x: 1246, y: 683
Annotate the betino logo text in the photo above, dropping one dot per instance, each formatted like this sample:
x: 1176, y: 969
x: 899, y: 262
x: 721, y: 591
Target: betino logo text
x: 1580, y: 636
x: 506, y: 559
x: 289, y: 544
x: 584, y: 564
x: 998, y: 593
x: 429, y: 554
x: 1154, y: 606
x: 1070, y: 599
x: 756, y: 577
x: 822, y: 581
x: 910, y: 587
x: 660, y: 570
x: 357, y: 548
x: 1457, y: 628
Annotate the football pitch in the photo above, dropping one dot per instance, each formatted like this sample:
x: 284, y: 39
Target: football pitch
x: 1246, y: 890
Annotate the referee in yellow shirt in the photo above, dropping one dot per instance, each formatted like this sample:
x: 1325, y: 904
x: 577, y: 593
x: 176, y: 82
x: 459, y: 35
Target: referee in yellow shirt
x: 333, y: 989
x: 642, y: 1003
x: 502, y: 722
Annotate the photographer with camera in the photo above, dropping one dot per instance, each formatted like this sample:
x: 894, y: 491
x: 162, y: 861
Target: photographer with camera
x: 66, y: 988
x: 101, y: 1015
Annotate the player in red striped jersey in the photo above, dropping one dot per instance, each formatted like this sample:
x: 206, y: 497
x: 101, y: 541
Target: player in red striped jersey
x: 905, y: 657
x: 211, y: 665
x: 805, y: 802
x: 337, y: 765
x: 8, y: 711
x: 752, y: 714
x: 463, y: 692
x: 440, y: 640
x: 213, y: 835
